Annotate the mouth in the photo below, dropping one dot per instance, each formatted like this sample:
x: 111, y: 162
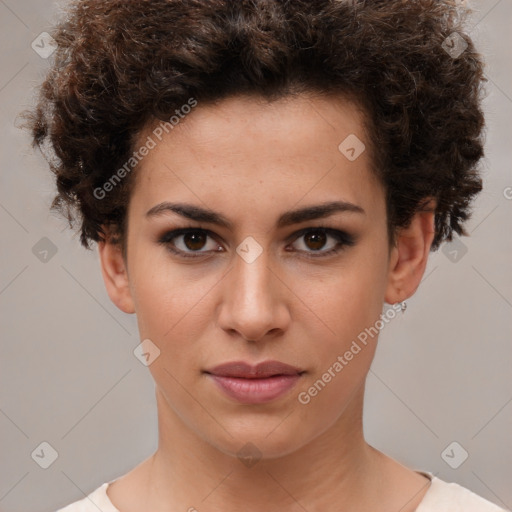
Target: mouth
x: 258, y: 384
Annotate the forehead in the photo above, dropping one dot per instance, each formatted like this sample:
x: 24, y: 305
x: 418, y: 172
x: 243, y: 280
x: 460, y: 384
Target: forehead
x: 246, y: 151
x: 240, y: 122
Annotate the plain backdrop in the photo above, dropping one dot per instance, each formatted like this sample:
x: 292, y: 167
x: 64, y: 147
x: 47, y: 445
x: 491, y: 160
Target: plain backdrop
x: 439, y: 387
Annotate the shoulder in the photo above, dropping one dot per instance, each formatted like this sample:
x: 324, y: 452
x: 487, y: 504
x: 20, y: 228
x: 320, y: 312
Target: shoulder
x: 451, y: 497
x: 96, y: 500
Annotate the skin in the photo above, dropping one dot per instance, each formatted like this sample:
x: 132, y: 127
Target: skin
x: 250, y: 161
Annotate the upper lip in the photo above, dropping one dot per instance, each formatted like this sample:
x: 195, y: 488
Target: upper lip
x: 262, y: 370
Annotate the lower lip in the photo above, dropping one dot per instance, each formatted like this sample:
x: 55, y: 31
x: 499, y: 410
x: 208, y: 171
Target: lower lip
x: 255, y: 391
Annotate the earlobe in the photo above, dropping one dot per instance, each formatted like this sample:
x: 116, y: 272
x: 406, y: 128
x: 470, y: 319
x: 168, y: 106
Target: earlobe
x: 410, y: 255
x: 115, y: 276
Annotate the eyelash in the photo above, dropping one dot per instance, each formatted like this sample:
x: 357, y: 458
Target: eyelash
x: 344, y: 240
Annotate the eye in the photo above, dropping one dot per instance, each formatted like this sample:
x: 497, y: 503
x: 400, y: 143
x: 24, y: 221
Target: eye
x: 316, y: 238
x: 194, y: 239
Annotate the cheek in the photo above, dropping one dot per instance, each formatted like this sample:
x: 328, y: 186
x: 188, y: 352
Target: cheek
x: 172, y: 305
x: 347, y: 305
x: 348, y: 300
x: 343, y: 359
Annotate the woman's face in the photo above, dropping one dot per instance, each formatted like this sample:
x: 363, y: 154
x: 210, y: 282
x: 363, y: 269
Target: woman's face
x: 258, y: 289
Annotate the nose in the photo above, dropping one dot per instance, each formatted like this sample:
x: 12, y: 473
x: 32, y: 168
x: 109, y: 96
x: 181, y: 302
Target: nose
x: 254, y: 300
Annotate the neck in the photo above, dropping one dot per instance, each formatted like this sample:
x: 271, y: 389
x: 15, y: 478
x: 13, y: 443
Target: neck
x: 188, y: 472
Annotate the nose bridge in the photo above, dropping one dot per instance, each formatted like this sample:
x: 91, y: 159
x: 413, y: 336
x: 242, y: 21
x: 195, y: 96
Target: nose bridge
x: 251, y: 279
x: 250, y: 301
x: 252, y: 274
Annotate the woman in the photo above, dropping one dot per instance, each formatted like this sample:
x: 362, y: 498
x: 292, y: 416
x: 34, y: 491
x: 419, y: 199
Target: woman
x: 261, y: 178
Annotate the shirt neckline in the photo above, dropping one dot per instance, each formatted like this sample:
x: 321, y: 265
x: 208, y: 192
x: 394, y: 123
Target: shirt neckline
x: 108, y: 506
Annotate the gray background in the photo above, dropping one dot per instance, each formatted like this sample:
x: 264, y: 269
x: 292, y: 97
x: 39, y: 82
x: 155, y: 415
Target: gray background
x: 69, y: 377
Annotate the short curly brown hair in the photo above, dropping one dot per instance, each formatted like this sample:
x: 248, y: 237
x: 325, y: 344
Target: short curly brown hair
x: 121, y: 65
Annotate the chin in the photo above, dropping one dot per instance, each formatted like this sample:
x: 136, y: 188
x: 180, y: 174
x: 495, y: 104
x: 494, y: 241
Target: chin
x: 260, y: 438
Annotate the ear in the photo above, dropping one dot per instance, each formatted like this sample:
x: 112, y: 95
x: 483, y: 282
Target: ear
x: 409, y: 257
x: 115, y: 275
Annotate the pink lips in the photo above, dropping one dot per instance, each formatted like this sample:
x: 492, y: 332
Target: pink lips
x: 255, y: 384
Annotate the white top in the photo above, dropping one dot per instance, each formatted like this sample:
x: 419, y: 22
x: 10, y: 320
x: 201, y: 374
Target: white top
x: 440, y: 497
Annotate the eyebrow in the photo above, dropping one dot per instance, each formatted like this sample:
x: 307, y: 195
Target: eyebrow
x: 289, y: 218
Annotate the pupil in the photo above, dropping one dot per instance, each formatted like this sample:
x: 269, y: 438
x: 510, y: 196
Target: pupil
x: 196, y: 237
x: 318, y: 240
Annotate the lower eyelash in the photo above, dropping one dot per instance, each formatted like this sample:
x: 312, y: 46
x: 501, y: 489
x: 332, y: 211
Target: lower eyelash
x: 344, y: 240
